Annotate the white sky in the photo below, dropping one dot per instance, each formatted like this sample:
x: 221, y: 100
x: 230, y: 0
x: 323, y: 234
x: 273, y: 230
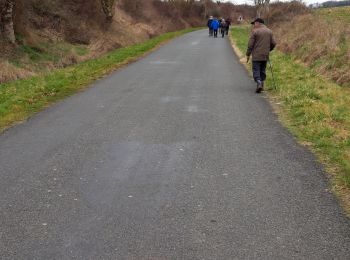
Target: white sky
x: 307, y: 2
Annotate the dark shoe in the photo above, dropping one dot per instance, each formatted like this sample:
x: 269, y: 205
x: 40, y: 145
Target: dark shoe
x: 259, y: 88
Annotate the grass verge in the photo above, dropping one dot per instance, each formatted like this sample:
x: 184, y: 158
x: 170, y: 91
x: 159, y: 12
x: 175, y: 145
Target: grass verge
x: 321, y: 40
x: 316, y: 110
x: 20, y: 99
x: 335, y: 13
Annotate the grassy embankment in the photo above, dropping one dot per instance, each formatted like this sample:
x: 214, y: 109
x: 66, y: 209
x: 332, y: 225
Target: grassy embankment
x: 336, y: 13
x: 47, y: 55
x: 26, y: 61
x: 321, y: 40
x: 315, y: 109
x: 20, y: 99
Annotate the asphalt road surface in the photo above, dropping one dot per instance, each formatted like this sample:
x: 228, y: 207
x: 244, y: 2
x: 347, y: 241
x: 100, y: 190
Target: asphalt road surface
x: 172, y: 157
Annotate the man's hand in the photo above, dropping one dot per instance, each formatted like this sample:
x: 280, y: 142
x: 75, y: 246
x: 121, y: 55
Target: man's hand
x: 248, y: 57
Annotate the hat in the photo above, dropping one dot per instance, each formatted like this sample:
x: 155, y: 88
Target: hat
x: 259, y: 20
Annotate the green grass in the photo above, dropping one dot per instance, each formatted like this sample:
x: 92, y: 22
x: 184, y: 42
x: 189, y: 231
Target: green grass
x: 315, y: 109
x: 323, y: 42
x: 22, y: 98
x: 241, y: 36
x: 81, y: 50
x: 336, y: 13
x: 45, y: 55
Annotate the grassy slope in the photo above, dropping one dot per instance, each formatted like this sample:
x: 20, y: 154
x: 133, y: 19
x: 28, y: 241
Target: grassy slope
x: 46, y: 55
x: 321, y: 40
x: 22, y: 98
x: 336, y: 13
x: 315, y: 109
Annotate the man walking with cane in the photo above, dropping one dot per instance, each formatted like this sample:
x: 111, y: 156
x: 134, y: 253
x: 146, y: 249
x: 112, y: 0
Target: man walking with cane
x: 261, y: 42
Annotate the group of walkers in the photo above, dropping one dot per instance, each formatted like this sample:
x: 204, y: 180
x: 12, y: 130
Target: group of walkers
x: 218, y: 25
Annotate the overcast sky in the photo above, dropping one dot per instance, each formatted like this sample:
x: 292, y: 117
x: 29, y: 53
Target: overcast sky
x: 252, y: 1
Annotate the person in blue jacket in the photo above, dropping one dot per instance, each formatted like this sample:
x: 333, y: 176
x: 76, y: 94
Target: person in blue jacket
x: 209, y: 25
x: 215, y: 25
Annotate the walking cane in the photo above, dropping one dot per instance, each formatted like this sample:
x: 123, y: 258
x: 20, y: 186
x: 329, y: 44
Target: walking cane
x: 273, y: 77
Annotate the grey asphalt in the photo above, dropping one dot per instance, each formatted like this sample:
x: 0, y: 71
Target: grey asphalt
x: 172, y: 157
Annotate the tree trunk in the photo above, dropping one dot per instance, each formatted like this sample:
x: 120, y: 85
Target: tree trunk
x: 107, y: 7
x: 6, y: 20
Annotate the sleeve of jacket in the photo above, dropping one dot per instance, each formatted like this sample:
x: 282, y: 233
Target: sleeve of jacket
x: 273, y: 43
x: 251, y: 44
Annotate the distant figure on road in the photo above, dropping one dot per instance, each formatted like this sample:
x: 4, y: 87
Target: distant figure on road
x: 228, y: 24
x: 223, y: 26
x: 220, y: 20
x: 261, y: 42
x: 215, y: 25
x: 209, y: 26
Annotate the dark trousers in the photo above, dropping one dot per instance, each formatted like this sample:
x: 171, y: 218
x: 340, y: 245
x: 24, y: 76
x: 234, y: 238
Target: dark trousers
x: 223, y: 30
x: 210, y: 32
x: 259, y: 71
x: 215, y: 33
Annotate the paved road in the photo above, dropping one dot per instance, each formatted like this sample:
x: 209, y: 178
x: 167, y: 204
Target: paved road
x: 172, y: 157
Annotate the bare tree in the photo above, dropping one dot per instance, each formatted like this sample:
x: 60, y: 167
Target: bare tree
x: 262, y: 7
x: 6, y: 20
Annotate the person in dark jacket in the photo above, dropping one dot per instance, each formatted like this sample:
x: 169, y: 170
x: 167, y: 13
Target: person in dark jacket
x: 261, y: 43
x: 209, y: 25
x: 228, y: 24
x: 215, y: 26
x: 220, y: 20
x: 223, y: 26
